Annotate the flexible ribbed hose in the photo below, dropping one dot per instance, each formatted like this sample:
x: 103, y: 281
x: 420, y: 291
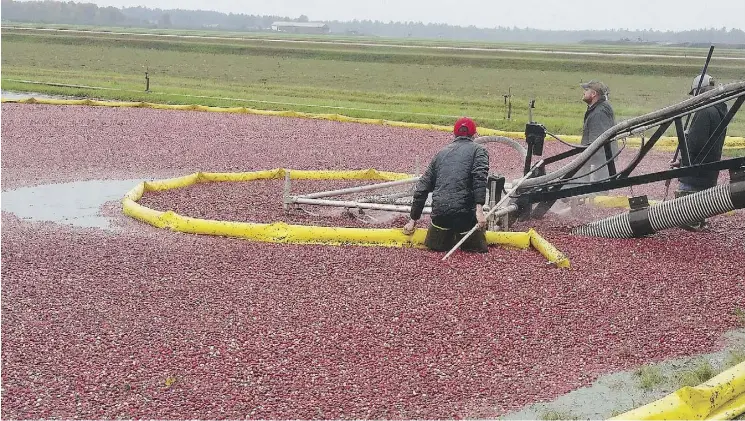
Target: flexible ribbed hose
x: 504, y: 141
x: 674, y: 213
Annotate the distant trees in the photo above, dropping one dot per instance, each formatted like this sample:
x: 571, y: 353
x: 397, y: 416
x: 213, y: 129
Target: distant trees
x: 49, y: 11
x: 164, y: 21
x: 61, y: 12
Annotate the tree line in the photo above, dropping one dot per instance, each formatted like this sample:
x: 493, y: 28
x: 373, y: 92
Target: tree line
x: 58, y: 12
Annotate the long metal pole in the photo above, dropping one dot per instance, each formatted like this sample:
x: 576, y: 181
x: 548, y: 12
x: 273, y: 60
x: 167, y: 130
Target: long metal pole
x: 361, y: 188
x: 378, y: 206
x: 388, y: 198
x: 352, y: 204
x: 504, y: 211
x: 494, y: 209
x: 492, y: 201
x: 700, y: 81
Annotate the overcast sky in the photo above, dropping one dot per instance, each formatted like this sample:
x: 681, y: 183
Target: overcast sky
x: 542, y: 14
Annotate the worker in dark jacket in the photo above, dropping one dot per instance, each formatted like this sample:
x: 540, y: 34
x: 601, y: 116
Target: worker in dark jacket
x: 456, y: 177
x: 703, y: 125
x: 599, y: 117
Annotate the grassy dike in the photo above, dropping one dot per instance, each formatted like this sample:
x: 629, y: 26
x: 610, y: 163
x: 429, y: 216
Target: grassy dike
x: 416, y: 84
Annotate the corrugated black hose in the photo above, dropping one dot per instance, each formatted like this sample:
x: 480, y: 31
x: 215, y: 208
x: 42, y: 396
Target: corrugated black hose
x: 673, y: 213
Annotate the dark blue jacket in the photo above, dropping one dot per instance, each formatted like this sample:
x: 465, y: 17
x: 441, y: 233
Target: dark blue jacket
x: 703, y: 125
x: 456, y: 177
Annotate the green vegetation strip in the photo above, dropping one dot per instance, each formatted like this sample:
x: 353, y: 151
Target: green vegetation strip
x: 417, y: 85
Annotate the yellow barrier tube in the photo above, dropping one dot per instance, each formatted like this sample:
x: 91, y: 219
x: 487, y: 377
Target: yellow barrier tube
x: 142, y: 213
x: 243, y: 176
x: 664, y: 143
x: 277, y: 173
x: 280, y: 232
x: 722, y: 397
x: 172, y: 183
x: 551, y: 253
x: 136, y: 193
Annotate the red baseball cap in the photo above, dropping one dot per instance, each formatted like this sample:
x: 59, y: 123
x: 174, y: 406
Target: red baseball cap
x: 464, y: 127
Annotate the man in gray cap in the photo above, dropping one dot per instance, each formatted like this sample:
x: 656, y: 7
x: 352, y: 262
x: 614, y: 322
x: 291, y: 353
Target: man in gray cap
x: 599, y: 117
x: 703, y: 125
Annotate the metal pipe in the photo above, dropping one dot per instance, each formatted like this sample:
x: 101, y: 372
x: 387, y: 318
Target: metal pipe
x: 287, y: 190
x: 491, y: 202
x: 394, y: 197
x: 388, y: 198
x: 360, y: 188
x: 642, y: 129
x: 352, y: 204
x: 480, y: 140
x: 504, y: 211
x: 391, y: 208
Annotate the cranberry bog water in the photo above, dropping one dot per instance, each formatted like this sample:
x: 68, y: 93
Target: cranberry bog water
x: 104, y: 316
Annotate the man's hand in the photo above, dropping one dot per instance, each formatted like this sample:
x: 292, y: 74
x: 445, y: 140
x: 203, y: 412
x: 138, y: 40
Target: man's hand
x: 675, y: 164
x: 480, y: 217
x: 409, y: 227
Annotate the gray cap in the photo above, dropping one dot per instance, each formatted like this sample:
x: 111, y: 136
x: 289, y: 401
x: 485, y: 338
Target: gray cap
x: 706, y: 85
x: 597, y: 86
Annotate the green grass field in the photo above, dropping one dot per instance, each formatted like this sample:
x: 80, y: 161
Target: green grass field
x: 647, y: 49
x: 417, y: 83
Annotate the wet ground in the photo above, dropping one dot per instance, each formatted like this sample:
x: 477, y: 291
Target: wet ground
x: 616, y: 393
x: 77, y: 204
x: 10, y: 95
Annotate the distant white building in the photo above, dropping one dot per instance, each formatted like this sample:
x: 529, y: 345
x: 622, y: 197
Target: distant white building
x: 301, y: 27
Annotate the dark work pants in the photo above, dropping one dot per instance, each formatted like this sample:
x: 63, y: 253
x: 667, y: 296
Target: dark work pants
x: 446, y: 231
